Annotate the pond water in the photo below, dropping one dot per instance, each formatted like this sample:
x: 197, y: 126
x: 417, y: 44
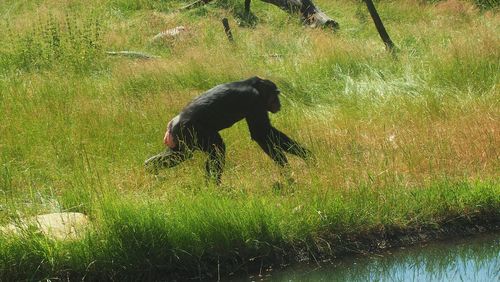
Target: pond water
x: 468, y: 259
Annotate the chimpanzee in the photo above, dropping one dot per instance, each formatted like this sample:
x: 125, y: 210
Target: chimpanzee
x: 199, y: 123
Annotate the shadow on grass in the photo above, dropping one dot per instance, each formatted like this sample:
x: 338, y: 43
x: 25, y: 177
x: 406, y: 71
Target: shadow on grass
x: 248, y: 20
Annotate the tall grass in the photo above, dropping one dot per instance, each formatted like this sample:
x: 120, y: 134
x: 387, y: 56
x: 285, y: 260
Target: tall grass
x: 211, y: 232
x: 401, y: 145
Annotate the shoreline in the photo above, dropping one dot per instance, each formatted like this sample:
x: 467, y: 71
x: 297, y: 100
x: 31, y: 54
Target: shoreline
x: 226, y: 239
x: 372, y: 243
x: 447, y: 257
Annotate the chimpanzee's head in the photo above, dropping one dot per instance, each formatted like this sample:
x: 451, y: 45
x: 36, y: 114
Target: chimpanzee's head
x: 269, y: 92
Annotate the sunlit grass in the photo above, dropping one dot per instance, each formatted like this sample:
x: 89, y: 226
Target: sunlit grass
x: 400, y: 144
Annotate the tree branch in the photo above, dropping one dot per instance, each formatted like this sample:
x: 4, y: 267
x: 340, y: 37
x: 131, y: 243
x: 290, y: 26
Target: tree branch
x: 379, y: 25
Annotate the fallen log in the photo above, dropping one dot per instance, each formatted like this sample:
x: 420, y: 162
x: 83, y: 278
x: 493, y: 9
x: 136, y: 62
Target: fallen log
x: 309, y: 13
x: 195, y: 4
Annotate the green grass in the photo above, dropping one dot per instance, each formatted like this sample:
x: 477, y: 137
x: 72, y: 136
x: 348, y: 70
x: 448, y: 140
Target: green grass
x: 401, y: 145
x: 149, y: 238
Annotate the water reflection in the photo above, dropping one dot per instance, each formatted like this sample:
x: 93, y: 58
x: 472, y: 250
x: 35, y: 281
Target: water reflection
x: 468, y: 259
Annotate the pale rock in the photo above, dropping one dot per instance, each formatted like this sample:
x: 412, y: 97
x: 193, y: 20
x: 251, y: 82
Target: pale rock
x: 59, y: 226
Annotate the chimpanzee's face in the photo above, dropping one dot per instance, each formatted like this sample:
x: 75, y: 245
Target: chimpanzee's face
x: 270, y: 92
x: 273, y: 103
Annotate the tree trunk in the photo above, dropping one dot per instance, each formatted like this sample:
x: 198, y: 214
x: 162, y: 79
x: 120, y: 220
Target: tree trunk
x: 310, y: 14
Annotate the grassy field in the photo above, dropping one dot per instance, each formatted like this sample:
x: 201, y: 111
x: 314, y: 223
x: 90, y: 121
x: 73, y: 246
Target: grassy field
x: 403, y: 145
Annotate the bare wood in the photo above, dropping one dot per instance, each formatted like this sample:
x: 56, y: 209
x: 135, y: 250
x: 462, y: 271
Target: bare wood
x: 310, y: 14
x: 169, y: 33
x: 131, y: 54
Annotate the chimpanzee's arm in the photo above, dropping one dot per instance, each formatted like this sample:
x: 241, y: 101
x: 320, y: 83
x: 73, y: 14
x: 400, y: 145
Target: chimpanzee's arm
x: 261, y: 132
x: 272, y: 141
x: 288, y: 145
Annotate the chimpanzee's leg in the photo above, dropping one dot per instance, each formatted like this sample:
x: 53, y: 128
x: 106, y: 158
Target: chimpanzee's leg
x: 166, y: 159
x: 214, y: 146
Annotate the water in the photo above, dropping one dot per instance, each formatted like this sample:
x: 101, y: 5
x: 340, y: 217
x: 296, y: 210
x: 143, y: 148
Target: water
x: 468, y: 259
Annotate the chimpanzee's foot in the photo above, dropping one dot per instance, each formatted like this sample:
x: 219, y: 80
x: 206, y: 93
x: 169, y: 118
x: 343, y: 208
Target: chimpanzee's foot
x: 152, y: 165
x: 155, y: 163
x: 166, y: 159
